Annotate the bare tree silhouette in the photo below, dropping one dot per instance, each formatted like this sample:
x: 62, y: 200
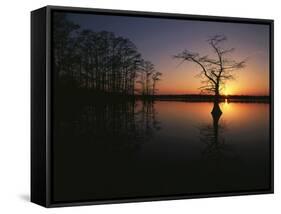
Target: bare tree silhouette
x: 155, y: 79
x: 99, y: 62
x: 148, y: 78
x: 215, y: 72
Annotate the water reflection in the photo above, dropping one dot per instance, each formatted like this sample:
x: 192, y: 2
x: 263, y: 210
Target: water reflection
x: 217, y: 153
x: 132, y: 148
x: 212, y: 135
x: 116, y: 125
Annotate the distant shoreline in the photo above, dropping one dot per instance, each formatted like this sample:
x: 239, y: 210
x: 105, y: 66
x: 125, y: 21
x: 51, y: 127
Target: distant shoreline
x: 208, y: 98
x: 91, y: 96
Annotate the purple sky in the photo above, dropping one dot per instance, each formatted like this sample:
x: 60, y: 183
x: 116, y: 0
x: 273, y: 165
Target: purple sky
x: 159, y: 39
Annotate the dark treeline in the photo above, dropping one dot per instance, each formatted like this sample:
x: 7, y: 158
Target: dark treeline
x: 100, y: 62
x: 210, y: 98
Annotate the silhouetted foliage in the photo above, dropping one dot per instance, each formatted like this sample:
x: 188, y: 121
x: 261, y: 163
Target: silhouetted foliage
x: 155, y: 79
x: 215, y: 72
x: 148, y: 79
x: 99, y: 61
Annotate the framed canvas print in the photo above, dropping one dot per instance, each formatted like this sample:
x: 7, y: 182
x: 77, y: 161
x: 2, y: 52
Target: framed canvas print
x: 137, y: 106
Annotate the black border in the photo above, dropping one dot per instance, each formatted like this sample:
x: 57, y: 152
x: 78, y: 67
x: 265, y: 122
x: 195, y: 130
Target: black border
x: 38, y: 107
x: 49, y: 97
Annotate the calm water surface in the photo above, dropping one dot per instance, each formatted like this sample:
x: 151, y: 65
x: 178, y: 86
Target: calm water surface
x: 140, y: 149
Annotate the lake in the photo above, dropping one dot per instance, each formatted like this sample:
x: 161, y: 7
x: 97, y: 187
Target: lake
x: 149, y: 149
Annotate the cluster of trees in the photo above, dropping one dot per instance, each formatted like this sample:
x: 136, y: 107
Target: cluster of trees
x: 148, y: 79
x: 99, y: 61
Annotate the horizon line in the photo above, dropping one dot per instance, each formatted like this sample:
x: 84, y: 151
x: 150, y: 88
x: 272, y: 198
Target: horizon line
x: 223, y: 95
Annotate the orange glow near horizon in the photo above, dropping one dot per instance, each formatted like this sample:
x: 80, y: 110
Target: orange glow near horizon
x: 159, y: 40
x: 180, y: 77
x: 246, y: 82
x: 233, y: 112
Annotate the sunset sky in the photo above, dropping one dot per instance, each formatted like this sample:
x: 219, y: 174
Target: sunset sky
x: 159, y: 39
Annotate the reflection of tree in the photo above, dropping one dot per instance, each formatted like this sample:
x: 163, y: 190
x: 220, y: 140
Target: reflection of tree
x: 218, y: 154
x: 212, y: 136
x: 215, y: 72
x: 147, y: 118
x: 113, y: 125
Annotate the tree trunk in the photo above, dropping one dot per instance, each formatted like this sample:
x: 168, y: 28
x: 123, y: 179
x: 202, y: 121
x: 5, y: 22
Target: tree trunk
x: 153, y: 88
x: 216, y: 108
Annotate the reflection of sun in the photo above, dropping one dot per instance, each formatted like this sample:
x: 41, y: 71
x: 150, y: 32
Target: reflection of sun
x: 226, y: 105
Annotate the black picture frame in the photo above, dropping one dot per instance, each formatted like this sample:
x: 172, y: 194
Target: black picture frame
x: 42, y: 95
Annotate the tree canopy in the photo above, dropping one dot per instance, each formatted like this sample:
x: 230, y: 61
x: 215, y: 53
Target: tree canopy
x: 99, y: 61
x: 214, y: 72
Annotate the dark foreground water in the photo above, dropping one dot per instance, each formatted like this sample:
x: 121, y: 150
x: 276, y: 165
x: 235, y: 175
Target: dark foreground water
x: 143, y: 149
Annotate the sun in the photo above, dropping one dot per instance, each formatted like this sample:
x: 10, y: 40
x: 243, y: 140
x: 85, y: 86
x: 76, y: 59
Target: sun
x: 226, y: 92
x: 229, y: 90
